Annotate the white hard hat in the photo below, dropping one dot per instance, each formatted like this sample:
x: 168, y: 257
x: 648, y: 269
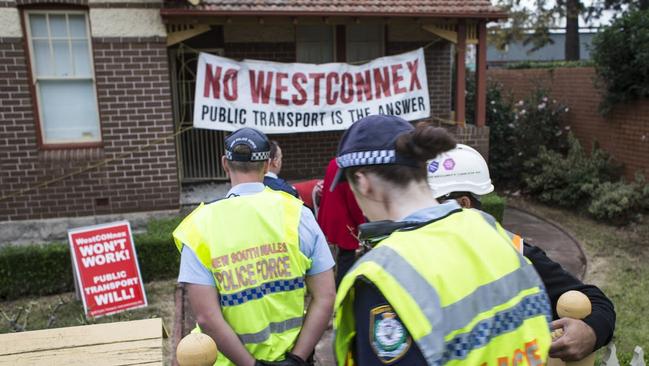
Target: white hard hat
x: 462, y: 169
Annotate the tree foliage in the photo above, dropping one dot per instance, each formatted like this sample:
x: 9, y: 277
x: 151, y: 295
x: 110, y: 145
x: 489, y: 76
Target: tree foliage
x: 621, y: 56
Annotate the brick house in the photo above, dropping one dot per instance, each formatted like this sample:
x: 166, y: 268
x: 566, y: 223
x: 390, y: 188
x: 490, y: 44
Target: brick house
x: 92, y: 91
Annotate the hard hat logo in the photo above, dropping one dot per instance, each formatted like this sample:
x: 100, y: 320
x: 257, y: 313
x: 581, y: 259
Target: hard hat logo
x: 449, y: 164
x: 433, y: 166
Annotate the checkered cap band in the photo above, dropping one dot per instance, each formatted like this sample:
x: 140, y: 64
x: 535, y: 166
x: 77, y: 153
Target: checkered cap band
x: 258, y: 292
x: 255, y: 156
x: 503, y: 322
x: 366, y: 158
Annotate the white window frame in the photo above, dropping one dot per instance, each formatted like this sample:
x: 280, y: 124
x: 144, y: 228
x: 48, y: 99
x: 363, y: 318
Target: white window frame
x: 35, y: 77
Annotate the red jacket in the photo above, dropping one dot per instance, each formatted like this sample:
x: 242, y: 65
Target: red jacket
x: 339, y: 214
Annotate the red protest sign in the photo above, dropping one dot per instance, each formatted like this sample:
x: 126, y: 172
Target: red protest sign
x: 106, y: 268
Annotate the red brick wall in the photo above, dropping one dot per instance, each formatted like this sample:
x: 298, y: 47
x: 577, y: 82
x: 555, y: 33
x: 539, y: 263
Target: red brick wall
x: 306, y: 154
x: 132, y: 78
x: 624, y: 133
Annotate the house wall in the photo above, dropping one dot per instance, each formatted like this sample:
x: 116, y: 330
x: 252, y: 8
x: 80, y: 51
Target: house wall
x: 134, y: 98
x: 306, y: 154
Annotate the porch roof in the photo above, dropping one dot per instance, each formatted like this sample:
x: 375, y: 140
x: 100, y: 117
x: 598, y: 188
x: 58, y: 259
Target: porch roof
x: 359, y: 8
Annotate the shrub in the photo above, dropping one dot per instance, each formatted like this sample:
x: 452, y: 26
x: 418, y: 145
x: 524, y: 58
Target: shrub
x: 47, y: 269
x: 619, y: 202
x: 568, y: 181
x: 494, y: 205
x: 586, y: 182
x: 518, y: 131
x: 621, y: 56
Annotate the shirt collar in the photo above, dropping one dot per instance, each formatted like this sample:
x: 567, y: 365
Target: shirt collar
x: 244, y: 189
x: 433, y: 212
x: 271, y: 175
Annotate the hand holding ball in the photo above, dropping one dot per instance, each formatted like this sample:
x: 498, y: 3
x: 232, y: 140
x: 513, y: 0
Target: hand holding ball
x: 196, y: 349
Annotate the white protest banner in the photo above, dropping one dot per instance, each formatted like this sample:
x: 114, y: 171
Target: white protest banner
x: 287, y: 98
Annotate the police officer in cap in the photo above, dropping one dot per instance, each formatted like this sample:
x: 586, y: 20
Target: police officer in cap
x: 442, y: 285
x: 248, y: 261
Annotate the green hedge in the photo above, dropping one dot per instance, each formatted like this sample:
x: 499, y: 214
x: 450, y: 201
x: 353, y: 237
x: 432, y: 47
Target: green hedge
x: 494, y: 205
x: 36, y: 270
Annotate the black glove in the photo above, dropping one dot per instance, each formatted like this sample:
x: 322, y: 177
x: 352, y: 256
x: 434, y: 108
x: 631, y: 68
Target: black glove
x: 290, y: 360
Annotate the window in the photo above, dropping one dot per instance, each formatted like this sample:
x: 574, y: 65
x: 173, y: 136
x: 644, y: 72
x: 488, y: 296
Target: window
x: 365, y: 42
x: 315, y: 44
x: 62, y: 70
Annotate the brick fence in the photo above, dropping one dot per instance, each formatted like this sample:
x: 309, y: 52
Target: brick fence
x: 624, y: 133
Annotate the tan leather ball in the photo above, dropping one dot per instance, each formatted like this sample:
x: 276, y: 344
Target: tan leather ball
x: 196, y: 349
x: 573, y: 304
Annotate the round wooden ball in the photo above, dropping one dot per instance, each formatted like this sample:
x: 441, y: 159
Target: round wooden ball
x: 196, y: 349
x: 573, y: 304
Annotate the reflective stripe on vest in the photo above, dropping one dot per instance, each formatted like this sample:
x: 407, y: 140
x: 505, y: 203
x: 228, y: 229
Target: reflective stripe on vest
x: 457, y: 315
x: 251, y: 245
x: 480, y: 304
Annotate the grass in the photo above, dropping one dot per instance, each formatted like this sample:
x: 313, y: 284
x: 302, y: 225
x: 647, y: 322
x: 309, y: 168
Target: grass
x: 38, y: 312
x: 617, y: 258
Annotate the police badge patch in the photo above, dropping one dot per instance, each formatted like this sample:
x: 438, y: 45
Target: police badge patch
x: 390, y: 340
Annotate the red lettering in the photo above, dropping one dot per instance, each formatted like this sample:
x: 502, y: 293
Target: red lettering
x: 212, y: 81
x: 518, y: 358
x: 414, y: 78
x: 503, y: 361
x: 230, y: 91
x: 531, y: 351
x: 331, y: 96
x: 280, y: 88
x: 363, y: 86
x: 382, y: 82
x: 298, y: 79
x: 397, y: 78
x: 347, y: 88
x: 317, y: 77
x: 258, y: 88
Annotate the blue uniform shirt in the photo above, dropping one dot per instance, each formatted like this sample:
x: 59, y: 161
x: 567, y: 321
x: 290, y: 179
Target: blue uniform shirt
x: 272, y: 181
x: 313, y: 245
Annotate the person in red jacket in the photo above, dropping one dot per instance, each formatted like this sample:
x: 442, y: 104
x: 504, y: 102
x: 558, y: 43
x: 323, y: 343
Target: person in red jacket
x: 339, y: 217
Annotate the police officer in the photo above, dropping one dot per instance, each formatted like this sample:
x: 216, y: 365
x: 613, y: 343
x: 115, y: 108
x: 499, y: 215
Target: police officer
x: 442, y: 286
x: 272, y: 179
x: 466, y: 182
x: 248, y: 260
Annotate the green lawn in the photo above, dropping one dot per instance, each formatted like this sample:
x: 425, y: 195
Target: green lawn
x: 617, y: 263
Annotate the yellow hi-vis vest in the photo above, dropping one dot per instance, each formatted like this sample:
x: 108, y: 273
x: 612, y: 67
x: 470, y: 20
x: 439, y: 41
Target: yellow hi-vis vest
x: 251, y: 245
x: 461, y: 291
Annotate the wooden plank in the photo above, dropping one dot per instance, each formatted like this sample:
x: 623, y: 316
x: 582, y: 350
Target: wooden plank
x: 41, y: 340
x: 143, y: 352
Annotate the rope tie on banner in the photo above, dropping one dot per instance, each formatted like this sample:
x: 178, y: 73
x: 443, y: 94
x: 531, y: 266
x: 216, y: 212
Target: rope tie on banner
x: 120, y: 156
x: 92, y: 166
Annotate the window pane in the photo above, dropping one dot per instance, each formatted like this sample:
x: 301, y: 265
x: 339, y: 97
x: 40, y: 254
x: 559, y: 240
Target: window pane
x: 37, y: 25
x: 315, y: 43
x: 62, y: 58
x: 81, y: 58
x: 69, y: 111
x: 77, y: 25
x: 364, y: 42
x: 58, y: 26
x: 42, y: 58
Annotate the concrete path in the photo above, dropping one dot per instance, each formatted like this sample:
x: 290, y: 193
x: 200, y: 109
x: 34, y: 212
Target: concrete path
x: 555, y: 241
x: 558, y: 244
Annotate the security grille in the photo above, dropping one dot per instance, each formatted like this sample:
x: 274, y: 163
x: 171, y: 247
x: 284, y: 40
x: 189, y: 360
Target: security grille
x: 199, y: 151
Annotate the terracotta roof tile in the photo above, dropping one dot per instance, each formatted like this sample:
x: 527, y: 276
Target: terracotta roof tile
x: 431, y: 8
